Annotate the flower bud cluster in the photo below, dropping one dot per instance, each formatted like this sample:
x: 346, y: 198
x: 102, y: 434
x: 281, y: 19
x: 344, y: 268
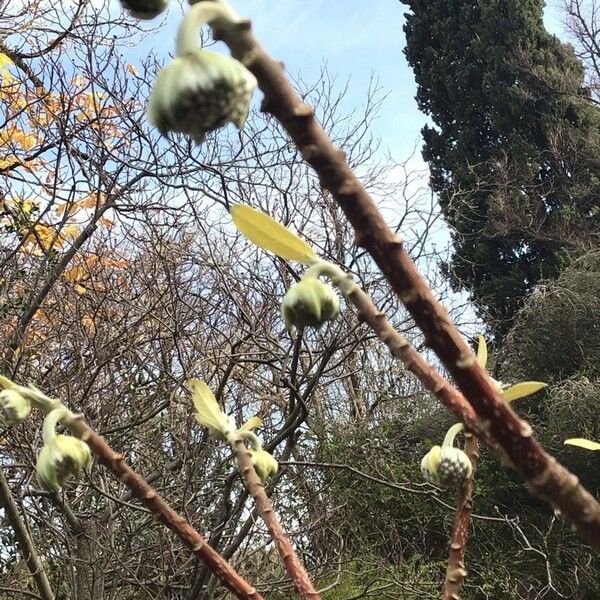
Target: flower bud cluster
x: 62, y: 456
x: 14, y: 407
x: 309, y: 303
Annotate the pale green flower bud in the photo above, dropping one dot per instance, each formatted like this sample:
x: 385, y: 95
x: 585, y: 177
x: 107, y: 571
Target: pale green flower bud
x: 446, y: 466
x: 264, y: 463
x: 62, y: 456
x: 309, y: 303
x: 14, y: 407
x: 199, y: 92
x: 145, y: 9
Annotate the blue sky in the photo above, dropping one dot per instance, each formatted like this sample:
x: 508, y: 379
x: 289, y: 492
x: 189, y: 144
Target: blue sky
x: 357, y: 39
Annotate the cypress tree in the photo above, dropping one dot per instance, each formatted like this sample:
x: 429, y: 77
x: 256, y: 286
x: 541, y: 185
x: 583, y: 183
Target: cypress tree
x: 514, y: 150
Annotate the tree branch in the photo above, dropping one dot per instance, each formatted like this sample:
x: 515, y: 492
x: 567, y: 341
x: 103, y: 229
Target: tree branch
x: 544, y: 475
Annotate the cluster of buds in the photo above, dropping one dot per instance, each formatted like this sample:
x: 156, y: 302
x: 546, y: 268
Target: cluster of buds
x: 145, y: 9
x: 14, y: 407
x: 445, y: 465
x: 62, y: 456
x: 222, y: 427
x: 201, y: 91
x: 309, y: 303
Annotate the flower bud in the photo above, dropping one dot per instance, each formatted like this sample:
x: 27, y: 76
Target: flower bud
x: 14, y: 407
x: 201, y: 91
x: 64, y: 457
x: 309, y: 303
x: 145, y: 9
x: 446, y: 466
x: 264, y: 463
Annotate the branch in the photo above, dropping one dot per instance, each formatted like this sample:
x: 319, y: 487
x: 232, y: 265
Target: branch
x: 30, y: 555
x: 544, y: 475
x: 456, y: 573
x: 144, y: 492
x: 264, y: 506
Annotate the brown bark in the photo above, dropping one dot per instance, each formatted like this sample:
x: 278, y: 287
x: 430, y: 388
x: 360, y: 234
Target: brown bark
x: 163, y: 512
x: 264, y: 506
x: 544, y: 475
x: 456, y: 573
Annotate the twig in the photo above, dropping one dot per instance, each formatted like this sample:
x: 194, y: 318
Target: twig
x: 544, y: 475
x: 264, y: 506
x: 30, y: 555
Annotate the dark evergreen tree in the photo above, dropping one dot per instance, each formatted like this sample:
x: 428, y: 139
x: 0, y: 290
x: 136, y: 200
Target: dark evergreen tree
x: 515, y: 151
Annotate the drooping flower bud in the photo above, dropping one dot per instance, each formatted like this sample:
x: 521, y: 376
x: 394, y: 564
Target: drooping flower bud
x: 14, y: 407
x: 309, y: 303
x: 62, y: 456
x: 264, y: 463
x: 199, y: 92
x: 145, y: 9
x: 446, y: 466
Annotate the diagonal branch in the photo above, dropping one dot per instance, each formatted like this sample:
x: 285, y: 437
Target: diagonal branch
x: 545, y: 476
x: 456, y: 573
x: 264, y: 506
x: 30, y: 555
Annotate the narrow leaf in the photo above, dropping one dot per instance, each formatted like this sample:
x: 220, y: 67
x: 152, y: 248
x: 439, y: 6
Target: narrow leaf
x: 520, y: 390
x: 251, y: 423
x: 583, y: 443
x: 269, y: 234
x: 482, y: 353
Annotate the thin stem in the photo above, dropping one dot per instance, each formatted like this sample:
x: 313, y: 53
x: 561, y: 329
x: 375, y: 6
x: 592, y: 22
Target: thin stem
x: 30, y: 555
x: 203, y: 13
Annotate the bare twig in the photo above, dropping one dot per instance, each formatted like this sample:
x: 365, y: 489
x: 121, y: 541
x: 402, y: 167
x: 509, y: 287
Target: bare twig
x: 30, y: 555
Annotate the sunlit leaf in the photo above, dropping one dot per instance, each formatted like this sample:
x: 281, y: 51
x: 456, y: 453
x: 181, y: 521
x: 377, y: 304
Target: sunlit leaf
x: 209, y: 412
x: 251, y: 423
x: 482, y: 353
x: 520, y: 390
x: 269, y: 234
x: 583, y: 443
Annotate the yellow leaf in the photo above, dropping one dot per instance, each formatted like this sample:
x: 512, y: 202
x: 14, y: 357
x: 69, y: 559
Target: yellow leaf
x: 583, y: 443
x: 209, y: 413
x: 251, y: 423
x: 520, y: 390
x: 482, y: 353
x: 271, y: 235
x: 5, y: 61
x: 131, y: 69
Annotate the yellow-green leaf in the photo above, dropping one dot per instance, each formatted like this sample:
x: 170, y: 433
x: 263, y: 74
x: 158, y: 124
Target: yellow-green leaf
x: 482, y: 353
x: 520, y: 390
x: 251, y: 423
x: 209, y: 413
x: 583, y: 443
x: 269, y: 234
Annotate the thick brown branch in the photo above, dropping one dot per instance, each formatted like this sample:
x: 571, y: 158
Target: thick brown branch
x: 545, y: 477
x: 264, y: 506
x: 163, y: 512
